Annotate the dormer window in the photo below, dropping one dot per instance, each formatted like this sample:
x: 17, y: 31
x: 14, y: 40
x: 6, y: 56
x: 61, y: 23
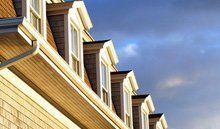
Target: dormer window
x: 35, y: 14
x: 124, y: 85
x: 127, y: 108
x: 68, y: 22
x: 99, y: 57
x: 74, y: 49
x: 104, y: 83
x: 142, y: 107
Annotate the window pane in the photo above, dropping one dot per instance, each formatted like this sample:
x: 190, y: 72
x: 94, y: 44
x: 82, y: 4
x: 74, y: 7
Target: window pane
x: 103, y: 78
x: 35, y: 21
x: 127, y: 120
x: 105, y: 96
x: 74, y: 44
x: 35, y: 5
x: 75, y: 65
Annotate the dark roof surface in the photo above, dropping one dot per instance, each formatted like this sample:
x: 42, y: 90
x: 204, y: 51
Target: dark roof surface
x: 158, y: 115
x: 94, y: 42
x: 140, y: 96
x: 121, y: 72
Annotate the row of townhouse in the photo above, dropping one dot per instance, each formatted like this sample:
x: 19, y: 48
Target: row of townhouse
x: 53, y: 74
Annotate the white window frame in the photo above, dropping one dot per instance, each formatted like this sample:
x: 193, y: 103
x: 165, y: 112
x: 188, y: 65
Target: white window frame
x: 107, y: 87
x: 73, y: 55
x: 144, y: 119
x: 129, y: 109
x: 37, y: 15
x: 26, y: 12
x: 68, y: 23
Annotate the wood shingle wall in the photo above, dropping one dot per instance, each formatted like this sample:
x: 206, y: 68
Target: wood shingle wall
x: 116, y: 98
x: 7, y: 9
x: 19, y: 111
x: 18, y: 7
x: 50, y: 38
x: 90, y: 65
x: 136, y: 119
x: 57, y: 26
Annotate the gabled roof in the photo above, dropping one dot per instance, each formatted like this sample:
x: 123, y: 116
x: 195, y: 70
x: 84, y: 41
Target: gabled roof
x: 159, y: 117
x: 64, y: 7
x: 95, y: 46
x: 119, y: 76
x: 143, y: 99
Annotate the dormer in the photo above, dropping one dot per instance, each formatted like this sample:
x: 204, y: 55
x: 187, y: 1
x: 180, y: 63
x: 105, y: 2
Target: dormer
x: 68, y: 21
x: 99, y: 59
x: 142, y: 106
x: 158, y: 121
x: 124, y: 85
x: 35, y: 13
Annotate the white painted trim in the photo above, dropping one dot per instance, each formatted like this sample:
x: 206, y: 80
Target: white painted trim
x: 44, y: 19
x: 84, y: 14
x: 24, y: 88
x: 145, y: 111
x: 125, y: 89
x: 26, y: 13
x: 164, y: 122
x: 108, y: 79
x: 66, y: 38
x: 149, y: 104
x: 68, y: 22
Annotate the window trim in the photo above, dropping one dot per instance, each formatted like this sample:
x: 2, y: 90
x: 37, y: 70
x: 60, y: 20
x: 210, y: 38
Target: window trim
x: 72, y: 54
x: 143, y: 120
x: 26, y: 12
x: 129, y: 113
x: 108, y: 89
x: 68, y: 22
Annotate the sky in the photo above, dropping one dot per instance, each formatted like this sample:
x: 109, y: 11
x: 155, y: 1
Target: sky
x: 173, y: 46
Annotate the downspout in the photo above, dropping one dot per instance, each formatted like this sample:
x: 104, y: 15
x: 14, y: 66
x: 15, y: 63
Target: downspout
x: 22, y: 56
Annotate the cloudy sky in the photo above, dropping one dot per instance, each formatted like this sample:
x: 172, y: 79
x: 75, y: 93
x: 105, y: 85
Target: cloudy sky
x: 174, y: 48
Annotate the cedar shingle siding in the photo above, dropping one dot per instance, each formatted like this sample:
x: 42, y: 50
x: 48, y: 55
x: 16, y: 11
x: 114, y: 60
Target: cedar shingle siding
x: 57, y: 27
x: 86, y: 78
x: 18, y: 7
x: 50, y: 38
x: 116, y: 98
x: 7, y: 9
x: 18, y: 111
x: 136, y: 118
x: 90, y: 64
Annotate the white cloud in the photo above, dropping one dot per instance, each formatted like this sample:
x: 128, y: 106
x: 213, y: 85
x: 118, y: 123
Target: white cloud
x: 129, y: 50
x: 172, y: 82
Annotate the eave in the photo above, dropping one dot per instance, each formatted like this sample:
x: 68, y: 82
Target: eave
x: 49, y: 75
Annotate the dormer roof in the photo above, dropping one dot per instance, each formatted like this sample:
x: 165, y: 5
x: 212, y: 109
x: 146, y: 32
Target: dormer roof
x: 119, y: 76
x: 144, y: 99
x: 159, y: 117
x: 67, y: 7
x: 106, y: 45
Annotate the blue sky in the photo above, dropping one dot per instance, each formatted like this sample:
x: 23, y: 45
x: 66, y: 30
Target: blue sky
x: 174, y: 48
